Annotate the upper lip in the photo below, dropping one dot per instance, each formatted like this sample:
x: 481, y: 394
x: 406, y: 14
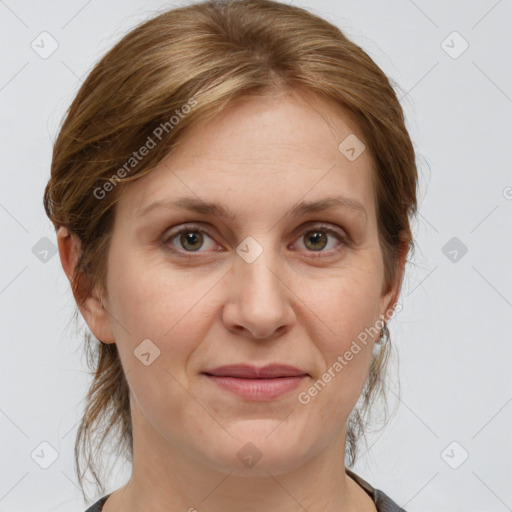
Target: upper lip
x: 254, y: 372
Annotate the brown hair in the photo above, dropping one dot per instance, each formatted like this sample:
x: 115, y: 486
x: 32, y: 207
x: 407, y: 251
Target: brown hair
x: 207, y: 55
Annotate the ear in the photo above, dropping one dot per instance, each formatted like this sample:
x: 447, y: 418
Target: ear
x: 389, y: 300
x: 94, y: 312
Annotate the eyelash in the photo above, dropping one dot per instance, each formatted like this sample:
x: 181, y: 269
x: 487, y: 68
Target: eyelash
x: 195, y: 228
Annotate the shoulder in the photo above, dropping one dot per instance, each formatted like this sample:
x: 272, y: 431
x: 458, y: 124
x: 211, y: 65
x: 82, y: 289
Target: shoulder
x: 96, y: 507
x: 382, y: 501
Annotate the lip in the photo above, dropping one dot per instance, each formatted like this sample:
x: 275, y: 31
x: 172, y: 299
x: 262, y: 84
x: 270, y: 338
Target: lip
x: 257, y: 383
x: 258, y: 389
x: 247, y: 371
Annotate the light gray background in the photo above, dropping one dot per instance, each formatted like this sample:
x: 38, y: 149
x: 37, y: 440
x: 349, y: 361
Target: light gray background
x: 453, y: 334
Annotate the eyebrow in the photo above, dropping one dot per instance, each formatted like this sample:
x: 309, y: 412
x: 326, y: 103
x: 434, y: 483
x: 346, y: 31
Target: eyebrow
x: 209, y: 208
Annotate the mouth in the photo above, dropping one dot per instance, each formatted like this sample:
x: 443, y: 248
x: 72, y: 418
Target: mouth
x: 257, y: 384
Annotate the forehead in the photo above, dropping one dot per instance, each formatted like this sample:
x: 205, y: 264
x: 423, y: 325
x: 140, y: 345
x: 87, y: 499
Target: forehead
x: 262, y: 151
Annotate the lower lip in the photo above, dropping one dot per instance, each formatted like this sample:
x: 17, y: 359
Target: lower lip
x: 258, y: 389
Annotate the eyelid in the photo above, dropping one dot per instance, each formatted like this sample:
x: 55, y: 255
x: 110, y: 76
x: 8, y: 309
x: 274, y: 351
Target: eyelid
x: 183, y: 228
x: 339, y: 233
x: 343, y: 238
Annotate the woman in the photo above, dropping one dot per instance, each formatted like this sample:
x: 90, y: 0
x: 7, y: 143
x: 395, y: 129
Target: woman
x: 231, y: 190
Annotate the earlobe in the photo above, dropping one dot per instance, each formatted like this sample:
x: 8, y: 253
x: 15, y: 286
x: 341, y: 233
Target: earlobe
x: 93, y: 311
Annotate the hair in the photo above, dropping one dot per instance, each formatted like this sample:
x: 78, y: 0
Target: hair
x: 189, y: 63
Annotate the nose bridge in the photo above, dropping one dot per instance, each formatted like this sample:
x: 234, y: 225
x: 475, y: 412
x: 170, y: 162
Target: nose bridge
x: 257, y: 265
x: 258, y: 299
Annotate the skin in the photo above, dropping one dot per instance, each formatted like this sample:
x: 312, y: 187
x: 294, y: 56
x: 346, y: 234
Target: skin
x: 259, y: 158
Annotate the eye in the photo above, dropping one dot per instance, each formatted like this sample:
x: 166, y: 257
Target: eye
x: 188, y: 239
x: 316, y: 239
x: 191, y: 238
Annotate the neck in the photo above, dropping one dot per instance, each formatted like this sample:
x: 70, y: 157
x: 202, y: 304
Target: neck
x: 168, y: 478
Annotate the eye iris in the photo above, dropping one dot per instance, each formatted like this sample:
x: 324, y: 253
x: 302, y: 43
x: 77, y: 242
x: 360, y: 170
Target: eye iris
x: 193, y: 240
x: 316, y: 236
x: 191, y: 237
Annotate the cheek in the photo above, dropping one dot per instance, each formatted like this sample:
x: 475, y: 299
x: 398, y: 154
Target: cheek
x: 171, y: 311
x: 345, y: 306
x: 168, y: 308
x: 346, y: 314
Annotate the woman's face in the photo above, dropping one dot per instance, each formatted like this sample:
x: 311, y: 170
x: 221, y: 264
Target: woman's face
x: 268, y: 283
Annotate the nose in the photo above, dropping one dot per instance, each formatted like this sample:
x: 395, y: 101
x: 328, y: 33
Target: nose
x: 258, y: 304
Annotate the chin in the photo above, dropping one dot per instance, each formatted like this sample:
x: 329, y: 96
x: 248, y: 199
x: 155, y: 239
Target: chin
x: 258, y: 452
